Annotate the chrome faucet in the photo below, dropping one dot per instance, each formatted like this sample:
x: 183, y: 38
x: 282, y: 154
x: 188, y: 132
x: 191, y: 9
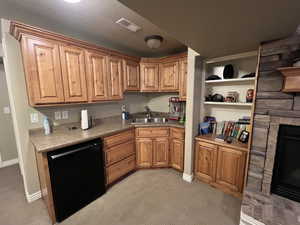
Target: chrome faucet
x: 148, y: 111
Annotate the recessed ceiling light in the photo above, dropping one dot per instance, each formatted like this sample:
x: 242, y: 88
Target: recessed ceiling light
x: 72, y: 1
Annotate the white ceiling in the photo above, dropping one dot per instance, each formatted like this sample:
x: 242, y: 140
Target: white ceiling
x: 217, y: 28
x: 93, y: 20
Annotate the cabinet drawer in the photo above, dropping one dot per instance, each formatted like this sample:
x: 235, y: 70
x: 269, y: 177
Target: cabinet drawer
x: 119, y: 169
x: 207, y: 145
x: 152, y: 132
x: 177, y: 133
x: 118, y: 138
x: 119, y: 152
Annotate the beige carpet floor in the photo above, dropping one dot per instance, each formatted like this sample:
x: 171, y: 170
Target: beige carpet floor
x: 147, y: 197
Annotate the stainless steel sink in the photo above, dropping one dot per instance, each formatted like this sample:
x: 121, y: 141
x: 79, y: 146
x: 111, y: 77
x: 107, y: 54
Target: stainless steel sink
x: 147, y: 120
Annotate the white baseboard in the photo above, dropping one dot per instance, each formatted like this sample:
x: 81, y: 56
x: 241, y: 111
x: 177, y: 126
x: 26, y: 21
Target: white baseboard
x: 248, y: 220
x: 8, y: 162
x: 188, y: 177
x: 34, y: 196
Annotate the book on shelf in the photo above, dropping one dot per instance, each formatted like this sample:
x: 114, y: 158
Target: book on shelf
x: 227, y: 129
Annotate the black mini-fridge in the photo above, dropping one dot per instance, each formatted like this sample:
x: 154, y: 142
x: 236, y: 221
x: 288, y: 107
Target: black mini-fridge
x: 77, y: 177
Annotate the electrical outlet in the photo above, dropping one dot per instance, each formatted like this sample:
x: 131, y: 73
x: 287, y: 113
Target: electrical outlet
x: 65, y: 115
x: 6, y: 110
x: 34, y: 117
x: 57, y: 115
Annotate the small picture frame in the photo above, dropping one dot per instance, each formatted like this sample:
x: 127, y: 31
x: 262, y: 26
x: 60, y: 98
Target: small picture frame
x: 244, y: 136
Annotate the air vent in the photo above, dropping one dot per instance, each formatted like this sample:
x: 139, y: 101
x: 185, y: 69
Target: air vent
x: 128, y: 25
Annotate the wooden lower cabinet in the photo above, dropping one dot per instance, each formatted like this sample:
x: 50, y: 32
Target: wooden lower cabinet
x: 176, y: 154
x: 205, y: 162
x: 144, y: 149
x: 152, y: 152
x: 230, y: 169
x: 221, y: 166
x: 160, y: 152
x: 119, y: 150
x: 119, y: 169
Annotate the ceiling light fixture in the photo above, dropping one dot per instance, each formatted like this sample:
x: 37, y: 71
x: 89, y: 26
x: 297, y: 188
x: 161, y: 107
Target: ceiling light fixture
x: 72, y: 1
x: 154, y: 41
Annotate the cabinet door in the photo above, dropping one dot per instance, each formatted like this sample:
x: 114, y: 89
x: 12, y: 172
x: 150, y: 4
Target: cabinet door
x: 230, y: 168
x: 149, y: 77
x: 161, y: 152
x: 131, y: 76
x: 205, y: 163
x: 177, y: 154
x: 183, y: 79
x: 169, y: 76
x: 97, y: 76
x: 43, y: 71
x: 144, y: 148
x: 73, y: 74
x: 115, y: 78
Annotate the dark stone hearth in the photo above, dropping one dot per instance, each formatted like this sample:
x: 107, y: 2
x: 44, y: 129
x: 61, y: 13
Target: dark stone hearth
x: 273, y: 108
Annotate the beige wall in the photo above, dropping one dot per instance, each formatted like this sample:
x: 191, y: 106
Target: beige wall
x: 135, y: 102
x: 8, y: 148
x: 160, y: 102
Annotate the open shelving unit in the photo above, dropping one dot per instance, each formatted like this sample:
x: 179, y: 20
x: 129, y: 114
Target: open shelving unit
x: 244, y: 63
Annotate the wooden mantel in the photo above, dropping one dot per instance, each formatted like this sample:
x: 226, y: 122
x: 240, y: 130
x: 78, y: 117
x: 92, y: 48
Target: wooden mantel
x: 291, y: 79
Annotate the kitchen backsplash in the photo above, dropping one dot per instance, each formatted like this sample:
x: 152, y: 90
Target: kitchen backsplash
x: 135, y: 102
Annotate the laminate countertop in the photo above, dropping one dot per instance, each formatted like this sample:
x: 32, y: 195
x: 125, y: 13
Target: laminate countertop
x: 63, y: 136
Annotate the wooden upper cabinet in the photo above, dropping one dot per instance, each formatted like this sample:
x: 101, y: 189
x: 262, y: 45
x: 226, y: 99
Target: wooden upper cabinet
x: 144, y: 148
x: 96, y: 65
x: 42, y: 71
x: 115, y: 76
x: 230, y: 172
x: 161, y: 152
x: 149, y: 77
x: 182, y: 78
x: 205, y: 162
x: 169, y: 77
x: 73, y: 74
x: 131, y: 76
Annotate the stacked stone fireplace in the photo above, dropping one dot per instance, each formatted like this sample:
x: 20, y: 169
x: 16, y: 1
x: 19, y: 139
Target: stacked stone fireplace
x: 272, y: 109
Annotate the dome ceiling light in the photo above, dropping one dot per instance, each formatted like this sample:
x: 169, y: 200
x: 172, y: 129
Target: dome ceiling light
x: 154, y: 41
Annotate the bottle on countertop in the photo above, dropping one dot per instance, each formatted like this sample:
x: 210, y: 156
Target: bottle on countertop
x: 125, y: 115
x: 46, y: 124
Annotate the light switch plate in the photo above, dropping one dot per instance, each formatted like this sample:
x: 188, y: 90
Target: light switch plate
x: 57, y: 115
x: 65, y: 115
x: 34, y: 117
x: 6, y: 110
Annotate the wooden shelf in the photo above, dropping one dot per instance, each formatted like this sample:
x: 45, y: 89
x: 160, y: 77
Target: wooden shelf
x: 229, y: 103
x: 235, y: 143
x: 236, y: 80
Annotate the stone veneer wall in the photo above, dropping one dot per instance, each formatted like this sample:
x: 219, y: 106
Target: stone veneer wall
x: 272, y: 108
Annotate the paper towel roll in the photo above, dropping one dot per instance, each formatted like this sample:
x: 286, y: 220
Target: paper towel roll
x: 84, y: 119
